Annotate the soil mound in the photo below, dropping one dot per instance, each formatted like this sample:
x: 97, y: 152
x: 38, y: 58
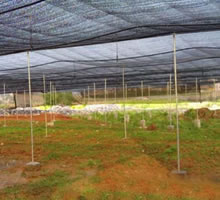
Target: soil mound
x: 152, y: 127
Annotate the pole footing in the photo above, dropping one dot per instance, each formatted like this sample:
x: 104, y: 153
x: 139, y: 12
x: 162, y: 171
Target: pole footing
x: 179, y: 172
x: 170, y: 127
x: 33, y: 164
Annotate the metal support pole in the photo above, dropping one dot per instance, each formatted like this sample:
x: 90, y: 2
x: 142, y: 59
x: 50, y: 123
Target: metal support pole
x: 115, y: 95
x: 88, y: 95
x: 16, y: 104
x: 4, y: 106
x: 177, y: 111
x: 142, y: 95
x: 24, y: 101
x: 126, y: 92
x: 170, y: 94
x: 55, y: 101
x: 45, y: 105
x: 55, y: 95
x: 84, y: 96
x: 142, y: 90
x: 148, y: 91
x: 31, y: 117
x: 125, y: 117
x: 94, y: 96
x: 51, y: 115
x: 105, y: 100
x: 215, y: 98
x: 54, y: 117
x: 197, y: 111
x: 50, y: 93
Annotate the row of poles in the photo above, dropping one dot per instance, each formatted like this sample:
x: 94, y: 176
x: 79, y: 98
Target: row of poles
x: 124, y: 87
x: 89, y: 99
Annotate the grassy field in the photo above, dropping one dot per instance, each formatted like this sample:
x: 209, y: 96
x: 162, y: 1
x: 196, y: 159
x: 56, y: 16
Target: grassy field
x: 87, y: 159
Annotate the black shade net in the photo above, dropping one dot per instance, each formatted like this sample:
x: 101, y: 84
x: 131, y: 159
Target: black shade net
x: 78, y: 43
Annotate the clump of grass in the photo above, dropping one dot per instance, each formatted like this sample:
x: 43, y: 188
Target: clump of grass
x: 47, y: 185
x: 41, y: 189
x: 170, y: 150
x: 191, y: 114
x: 95, y: 179
x: 52, y: 156
x: 123, y: 159
x: 91, y: 164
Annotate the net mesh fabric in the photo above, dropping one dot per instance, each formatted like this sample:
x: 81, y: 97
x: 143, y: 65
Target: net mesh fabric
x: 76, y: 43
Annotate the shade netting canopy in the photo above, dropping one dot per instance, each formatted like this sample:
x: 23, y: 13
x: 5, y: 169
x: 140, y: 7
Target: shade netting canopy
x: 78, y: 43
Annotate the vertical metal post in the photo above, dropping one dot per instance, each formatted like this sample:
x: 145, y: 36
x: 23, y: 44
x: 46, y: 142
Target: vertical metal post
x: 54, y: 115
x: 45, y: 105
x: 185, y: 89
x: 125, y: 117
x: 50, y: 93
x: 31, y: 117
x: 170, y: 94
x: 215, y: 98
x: 142, y: 90
x: 197, y: 111
x: 54, y: 87
x: 55, y: 95
x: 4, y: 106
x: 94, y: 96
x: 148, y: 91
x: 126, y: 92
x: 142, y: 95
x: 115, y: 95
x: 84, y: 95
x: 24, y: 101
x: 105, y: 100
x: 177, y: 111
x: 16, y: 104
x: 51, y: 115
x: 88, y: 95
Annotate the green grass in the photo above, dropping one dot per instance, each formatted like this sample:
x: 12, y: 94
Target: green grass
x: 161, y: 143
x: 77, y: 146
x: 41, y: 189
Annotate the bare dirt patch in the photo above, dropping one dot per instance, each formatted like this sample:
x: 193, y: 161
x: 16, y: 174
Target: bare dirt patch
x: 11, y: 173
x: 146, y: 175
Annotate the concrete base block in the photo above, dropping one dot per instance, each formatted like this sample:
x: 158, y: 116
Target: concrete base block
x: 33, y: 164
x: 143, y: 123
x: 179, y: 172
x: 197, y: 123
x: 170, y: 127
